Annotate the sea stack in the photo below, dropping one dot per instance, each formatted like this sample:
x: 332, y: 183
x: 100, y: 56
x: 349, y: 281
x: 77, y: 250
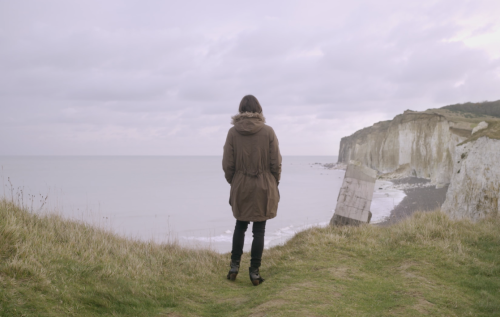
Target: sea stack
x: 355, y: 196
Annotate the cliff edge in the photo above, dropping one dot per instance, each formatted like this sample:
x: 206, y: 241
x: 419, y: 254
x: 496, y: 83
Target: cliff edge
x: 438, y: 144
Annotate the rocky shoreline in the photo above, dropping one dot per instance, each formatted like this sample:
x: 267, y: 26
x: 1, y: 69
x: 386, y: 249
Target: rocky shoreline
x: 421, y: 195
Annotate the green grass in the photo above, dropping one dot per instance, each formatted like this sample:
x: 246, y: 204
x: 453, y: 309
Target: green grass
x: 427, y: 264
x: 459, y: 116
x: 488, y: 108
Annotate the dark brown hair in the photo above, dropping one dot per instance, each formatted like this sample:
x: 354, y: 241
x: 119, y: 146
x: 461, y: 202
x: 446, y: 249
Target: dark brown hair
x: 250, y: 104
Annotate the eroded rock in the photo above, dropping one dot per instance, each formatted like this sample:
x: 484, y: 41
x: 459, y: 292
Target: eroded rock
x: 355, y: 196
x: 481, y: 126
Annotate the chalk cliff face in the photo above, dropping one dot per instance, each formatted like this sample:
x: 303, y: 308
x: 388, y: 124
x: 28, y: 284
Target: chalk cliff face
x: 475, y: 183
x: 418, y: 144
x: 438, y: 144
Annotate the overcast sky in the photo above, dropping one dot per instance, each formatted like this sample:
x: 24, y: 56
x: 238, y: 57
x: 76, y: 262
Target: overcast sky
x: 164, y: 77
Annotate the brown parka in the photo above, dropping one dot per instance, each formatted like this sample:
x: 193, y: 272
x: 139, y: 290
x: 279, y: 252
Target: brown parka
x: 252, y: 165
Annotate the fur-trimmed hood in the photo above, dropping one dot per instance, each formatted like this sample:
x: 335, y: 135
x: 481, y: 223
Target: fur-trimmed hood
x: 248, y: 122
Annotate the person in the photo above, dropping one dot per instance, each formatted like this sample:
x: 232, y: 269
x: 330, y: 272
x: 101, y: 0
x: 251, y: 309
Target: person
x: 252, y: 166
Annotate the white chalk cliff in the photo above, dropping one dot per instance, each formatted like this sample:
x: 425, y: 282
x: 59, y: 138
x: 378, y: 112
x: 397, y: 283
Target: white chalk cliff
x: 475, y: 184
x: 420, y: 144
x: 430, y: 144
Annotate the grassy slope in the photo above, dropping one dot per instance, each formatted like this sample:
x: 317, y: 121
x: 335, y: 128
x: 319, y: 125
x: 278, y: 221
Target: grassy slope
x: 473, y: 114
x: 428, y: 264
x: 492, y: 132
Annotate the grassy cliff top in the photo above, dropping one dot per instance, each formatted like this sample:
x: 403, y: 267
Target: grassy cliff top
x: 465, y: 116
x: 427, y: 265
x: 485, y: 108
x: 454, y: 116
x: 472, y: 113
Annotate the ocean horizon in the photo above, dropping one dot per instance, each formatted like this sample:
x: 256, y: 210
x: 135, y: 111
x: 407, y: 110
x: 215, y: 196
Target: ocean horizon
x: 174, y: 198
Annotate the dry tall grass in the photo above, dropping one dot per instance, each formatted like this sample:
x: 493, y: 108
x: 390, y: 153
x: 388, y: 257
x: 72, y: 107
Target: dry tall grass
x: 428, y: 264
x: 30, y: 239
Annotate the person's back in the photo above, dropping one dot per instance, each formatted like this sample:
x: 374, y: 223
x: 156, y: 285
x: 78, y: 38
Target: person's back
x: 252, y: 165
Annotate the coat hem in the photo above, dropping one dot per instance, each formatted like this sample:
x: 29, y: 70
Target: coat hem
x: 255, y: 219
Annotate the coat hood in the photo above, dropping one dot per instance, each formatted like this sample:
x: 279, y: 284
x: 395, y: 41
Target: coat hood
x: 248, y: 122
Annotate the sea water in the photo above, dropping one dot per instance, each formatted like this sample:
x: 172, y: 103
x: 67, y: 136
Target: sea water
x: 184, y: 199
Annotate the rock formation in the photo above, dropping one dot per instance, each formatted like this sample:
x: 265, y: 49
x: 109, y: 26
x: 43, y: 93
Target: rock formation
x: 420, y: 144
x: 430, y: 144
x: 355, y: 196
x: 482, y: 125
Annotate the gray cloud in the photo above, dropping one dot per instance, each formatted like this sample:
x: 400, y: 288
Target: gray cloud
x: 162, y: 77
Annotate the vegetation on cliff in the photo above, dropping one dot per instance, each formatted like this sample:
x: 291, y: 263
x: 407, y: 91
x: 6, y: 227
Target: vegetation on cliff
x: 492, y: 132
x: 427, y: 264
x: 488, y: 108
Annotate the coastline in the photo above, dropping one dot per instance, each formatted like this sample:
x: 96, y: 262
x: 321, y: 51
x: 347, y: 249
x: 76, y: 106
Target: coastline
x: 386, y: 197
x: 420, y: 196
x: 395, y: 199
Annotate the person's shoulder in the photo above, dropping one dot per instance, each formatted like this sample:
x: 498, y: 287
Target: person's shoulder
x: 269, y: 132
x: 231, y: 133
x: 269, y: 129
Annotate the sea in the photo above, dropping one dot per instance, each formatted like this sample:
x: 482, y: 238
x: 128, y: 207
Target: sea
x: 181, y: 199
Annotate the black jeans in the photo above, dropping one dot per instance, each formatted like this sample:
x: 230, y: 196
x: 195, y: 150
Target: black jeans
x: 258, y: 229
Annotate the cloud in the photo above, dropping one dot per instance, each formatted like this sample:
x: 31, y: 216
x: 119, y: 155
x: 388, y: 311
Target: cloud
x: 163, y: 77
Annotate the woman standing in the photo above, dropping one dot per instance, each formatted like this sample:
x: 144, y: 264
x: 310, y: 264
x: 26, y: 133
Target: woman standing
x: 252, y: 165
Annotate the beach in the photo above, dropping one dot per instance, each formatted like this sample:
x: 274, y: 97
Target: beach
x: 421, y: 195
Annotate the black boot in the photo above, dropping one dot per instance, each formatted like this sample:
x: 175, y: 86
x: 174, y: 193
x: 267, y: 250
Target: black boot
x: 235, y: 267
x: 255, y: 276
